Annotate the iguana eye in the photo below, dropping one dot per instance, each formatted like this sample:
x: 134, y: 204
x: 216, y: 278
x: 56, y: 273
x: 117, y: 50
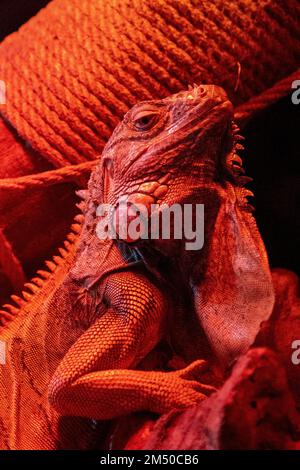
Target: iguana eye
x: 144, y: 120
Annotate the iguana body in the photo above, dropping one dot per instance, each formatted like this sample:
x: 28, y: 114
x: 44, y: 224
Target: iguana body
x: 76, y: 346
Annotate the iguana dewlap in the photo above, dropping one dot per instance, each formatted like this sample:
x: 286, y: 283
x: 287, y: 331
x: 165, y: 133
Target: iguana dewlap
x: 74, y: 345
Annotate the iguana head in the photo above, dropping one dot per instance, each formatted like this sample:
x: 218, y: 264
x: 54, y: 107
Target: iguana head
x: 183, y: 149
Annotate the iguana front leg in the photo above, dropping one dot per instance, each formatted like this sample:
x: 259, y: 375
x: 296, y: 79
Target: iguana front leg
x: 96, y: 378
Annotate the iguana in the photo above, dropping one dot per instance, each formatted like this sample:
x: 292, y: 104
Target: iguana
x: 77, y: 343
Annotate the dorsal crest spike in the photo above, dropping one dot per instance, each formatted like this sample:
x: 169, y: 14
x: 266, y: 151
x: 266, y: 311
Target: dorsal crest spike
x: 18, y: 300
x: 82, y: 194
x: 50, y: 265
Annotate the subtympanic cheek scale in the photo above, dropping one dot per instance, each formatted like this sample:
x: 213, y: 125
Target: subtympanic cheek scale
x: 128, y: 210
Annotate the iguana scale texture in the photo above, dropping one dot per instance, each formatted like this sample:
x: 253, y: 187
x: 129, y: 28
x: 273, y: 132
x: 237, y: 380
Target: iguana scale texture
x: 78, y: 342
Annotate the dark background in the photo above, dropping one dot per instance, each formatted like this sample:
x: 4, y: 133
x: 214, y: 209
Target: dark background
x: 272, y: 158
x: 14, y: 13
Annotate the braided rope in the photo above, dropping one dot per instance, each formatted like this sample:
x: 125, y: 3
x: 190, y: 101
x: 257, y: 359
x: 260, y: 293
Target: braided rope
x: 66, y: 91
x: 71, y: 173
x: 9, y: 263
x: 49, y: 178
x: 282, y: 88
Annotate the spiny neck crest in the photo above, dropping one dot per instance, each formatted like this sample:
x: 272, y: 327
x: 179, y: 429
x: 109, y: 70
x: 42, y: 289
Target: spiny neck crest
x: 235, y: 170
